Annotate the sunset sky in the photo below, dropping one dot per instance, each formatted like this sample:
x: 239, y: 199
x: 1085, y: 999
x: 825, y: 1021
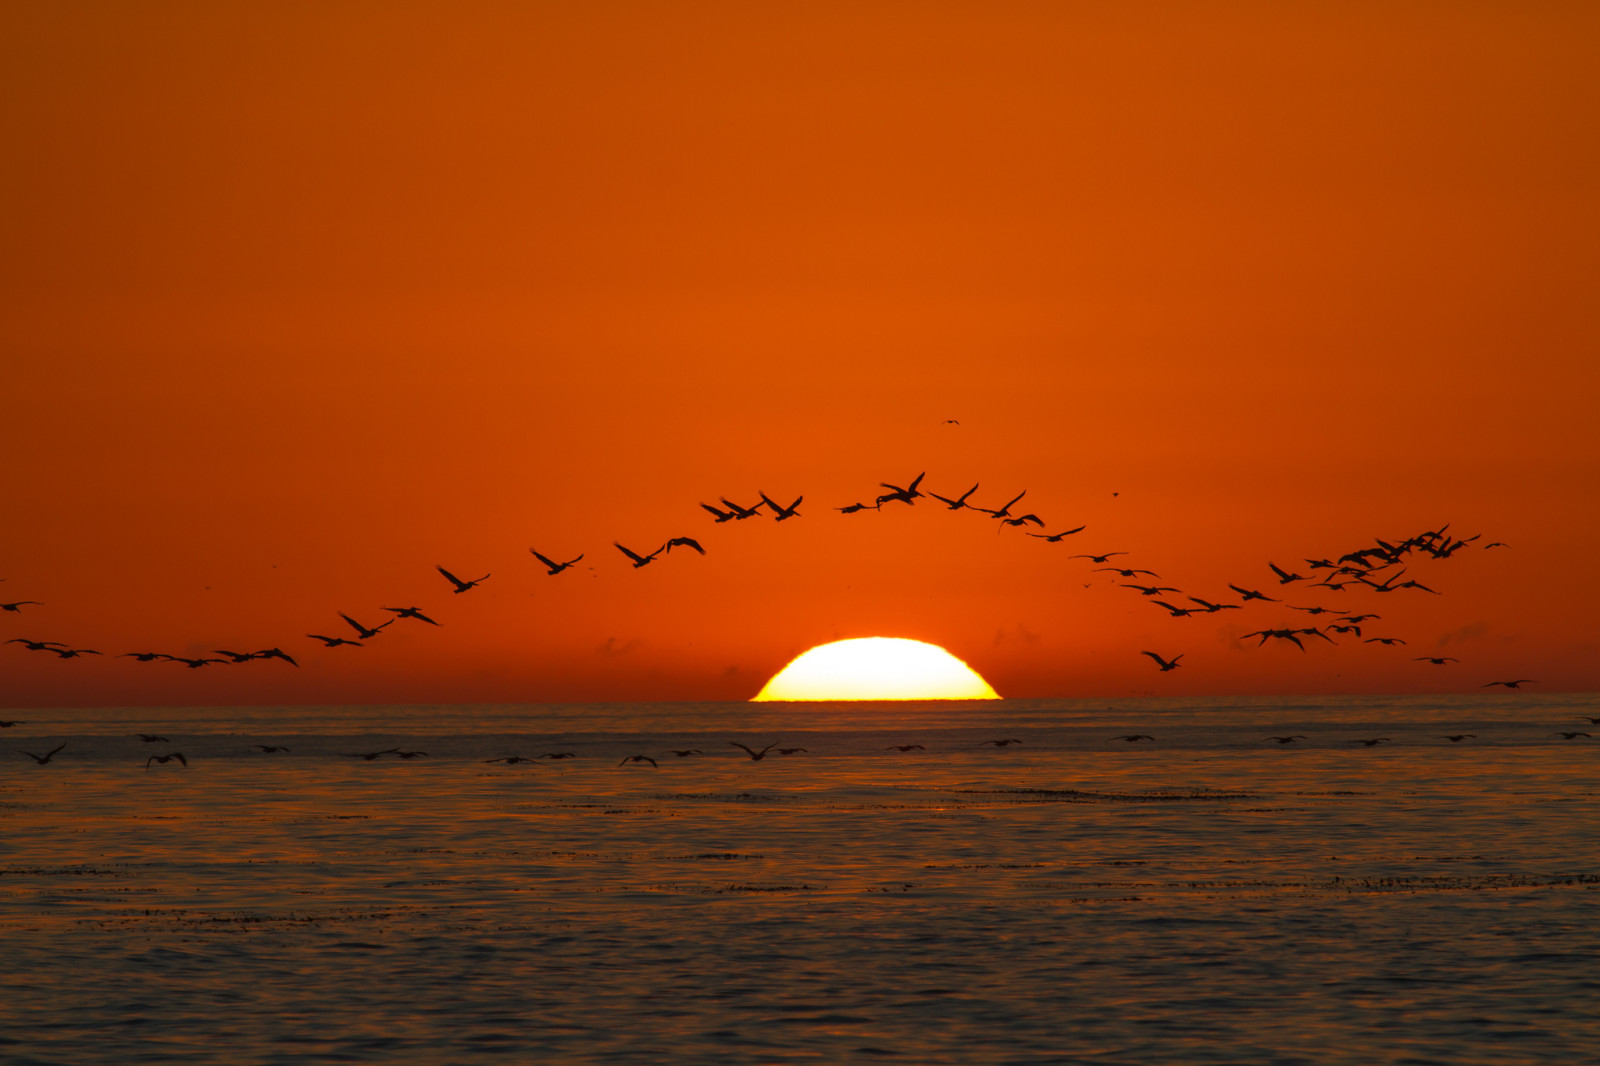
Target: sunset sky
x: 303, y: 300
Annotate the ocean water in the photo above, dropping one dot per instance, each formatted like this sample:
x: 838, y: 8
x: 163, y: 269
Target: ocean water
x: 1209, y: 896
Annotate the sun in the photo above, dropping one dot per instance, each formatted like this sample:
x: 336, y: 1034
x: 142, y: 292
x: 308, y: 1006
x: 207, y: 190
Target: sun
x: 877, y: 668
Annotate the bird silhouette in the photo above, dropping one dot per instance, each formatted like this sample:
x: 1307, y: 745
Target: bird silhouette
x: 1131, y: 737
x: 852, y: 508
x: 142, y: 656
x: 1006, y: 510
x: 1251, y: 594
x: 638, y: 758
x: 1281, y: 634
x: 1165, y: 664
x: 905, y: 747
x: 1370, y: 742
x: 512, y: 760
x: 1097, y: 559
x: 556, y: 568
x: 1055, y: 538
x: 193, y: 664
x: 1437, y: 660
x: 1021, y: 519
x: 1580, y: 717
x: 1357, y: 619
x: 1002, y: 743
x: 718, y: 515
x: 1569, y: 736
x: 72, y: 653
x: 959, y: 502
x: 1312, y: 610
x: 334, y: 642
x: 908, y: 494
x: 1213, y: 608
x: 362, y: 631
x: 1284, y: 577
x: 411, y: 612
x: 1178, y: 612
x: 36, y: 645
x: 1511, y: 684
x: 235, y: 656
x: 640, y: 560
x: 269, y: 749
x: 47, y: 756
x: 369, y: 756
x: 685, y: 752
x: 166, y: 759
x: 757, y: 756
x: 1385, y: 641
x: 1122, y: 572
x: 152, y: 738
x: 1149, y: 590
x: 461, y: 586
x: 409, y: 754
x: 685, y: 542
x: 791, y: 751
x: 275, y: 653
x: 1456, y: 738
x: 779, y: 512
x: 558, y: 755
x: 9, y: 724
x: 1287, y: 740
x: 17, y: 606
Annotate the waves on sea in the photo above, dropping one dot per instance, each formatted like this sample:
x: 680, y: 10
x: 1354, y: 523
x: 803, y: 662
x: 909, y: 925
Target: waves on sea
x: 1209, y: 896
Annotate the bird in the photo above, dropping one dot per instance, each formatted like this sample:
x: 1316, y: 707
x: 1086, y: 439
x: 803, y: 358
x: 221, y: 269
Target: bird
x: 1131, y: 737
x: 907, y: 495
x: 1122, y: 572
x: 684, y: 542
x: 72, y: 653
x: 461, y: 586
x: 269, y: 749
x: 408, y: 754
x: 1371, y: 742
x: 1149, y: 590
x: 36, y: 645
x: 556, y: 568
x: 1251, y: 594
x: 854, y: 507
x: 1386, y: 641
x: 166, y: 759
x: 411, y: 612
x: 1569, y: 736
x: 1002, y: 743
x: 1456, y: 738
x: 8, y: 724
x: 142, y: 656
x: 791, y: 751
x: 740, y: 513
x: 17, y: 606
x: 1438, y: 660
x: 1165, y: 664
x: 1281, y: 634
x: 781, y: 513
x: 334, y: 642
x: 1580, y: 717
x: 193, y: 664
x: 152, y: 738
x: 959, y: 502
x: 1021, y: 519
x: 1213, y: 608
x: 719, y: 516
x: 1098, y: 560
x: 638, y: 758
x: 1511, y: 684
x: 1178, y: 612
x: 47, y: 756
x: 235, y: 656
x: 1312, y: 610
x: 757, y: 756
x: 1496, y: 544
x: 1357, y: 619
x: 685, y: 752
x: 1287, y: 740
x: 905, y: 747
x: 512, y: 760
x: 362, y: 631
x: 275, y: 653
x: 1055, y: 538
x: 640, y: 560
x: 558, y: 755
x: 369, y: 755
x: 1346, y: 629
x: 1284, y: 577
x: 1006, y: 510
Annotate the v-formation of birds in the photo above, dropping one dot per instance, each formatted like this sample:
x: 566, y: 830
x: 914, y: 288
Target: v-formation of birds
x: 1365, y: 568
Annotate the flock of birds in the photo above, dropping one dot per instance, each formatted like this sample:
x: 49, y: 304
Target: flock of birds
x: 1380, y: 569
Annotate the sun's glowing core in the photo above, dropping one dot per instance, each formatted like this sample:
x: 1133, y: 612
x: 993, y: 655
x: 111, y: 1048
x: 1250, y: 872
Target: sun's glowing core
x: 877, y: 668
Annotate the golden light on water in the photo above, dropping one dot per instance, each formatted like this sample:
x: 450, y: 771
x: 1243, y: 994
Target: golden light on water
x: 877, y: 668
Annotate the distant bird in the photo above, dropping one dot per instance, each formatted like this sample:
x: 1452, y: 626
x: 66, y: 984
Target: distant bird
x: 269, y: 749
x: 1284, y: 577
x: 685, y: 752
x: 718, y: 514
x: 854, y: 507
x: 1371, y: 742
x: 152, y: 738
x: 334, y: 642
x: 951, y: 422
x: 1386, y: 641
x: 1122, y: 572
x: 1281, y: 634
x: 640, y: 560
x: 47, y: 756
x: 781, y: 513
x: 1005, y: 511
x: 556, y: 568
x: 411, y: 612
x: 1287, y: 740
x: 1251, y: 594
x: 1496, y: 544
x: 1439, y: 660
x: 370, y: 755
x: 1456, y: 738
x: 755, y: 755
x: 1313, y: 631
x: 740, y: 513
x: 790, y: 751
x: 512, y: 760
x: 1312, y: 610
x: 1131, y: 737
x: 235, y: 656
x: 1357, y: 619
x: 959, y: 502
x: 1580, y: 717
x: 1149, y: 590
x: 908, y: 494
x: 1002, y: 743
x: 36, y: 645
x: 276, y: 653
x: 193, y: 664
x: 1097, y: 559
x: 166, y: 759
x: 362, y: 631
x: 1213, y: 608
x: 905, y: 747
x: 1569, y: 736
x: 1021, y: 519
x: 1177, y: 612
x: 684, y: 542
x: 1055, y: 538
x: 1511, y: 684
x: 19, y: 605
x: 638, y: 758
x: 1165, y: 664
x: 461, y: 586
x: 4, y: 724
x: 72, y: 653
x: 142, y: 656
x: 558, y: 755
x: 408, y: 754
x: 1346, y: 629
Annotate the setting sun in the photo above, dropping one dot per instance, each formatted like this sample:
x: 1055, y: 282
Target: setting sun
x: 877, y: 668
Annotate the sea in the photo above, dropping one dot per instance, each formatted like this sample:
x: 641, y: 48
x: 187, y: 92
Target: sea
x: 1208, y: 895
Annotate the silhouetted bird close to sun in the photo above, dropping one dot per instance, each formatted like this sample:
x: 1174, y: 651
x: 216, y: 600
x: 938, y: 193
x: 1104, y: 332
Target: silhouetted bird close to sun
x: 166, y: 759
x: 362, y: 631
x: 461, y: 586
x: 640, y: 560
x: 334, y: 642
x: 684, y: 542
x: 756, y: 755
x: 903, y: 495
x: 556, y: 568
x: 1055, y: 538
x: 18, y: 605
x: 269, y: 749
x: 47, y: 756
x: 1131, y: 737
x: 1569, y: 736
x: 959, y: 502
x: 1456, y: 738
x: 1287, y: 740
x: 1252, y: 594
x: 1511, y: 684
x: 411, y: 612
x: 1165, y: 664
x: 1437, y: 660
x: 905, y: 747
x: 638, y: 758
x: 780, y: 513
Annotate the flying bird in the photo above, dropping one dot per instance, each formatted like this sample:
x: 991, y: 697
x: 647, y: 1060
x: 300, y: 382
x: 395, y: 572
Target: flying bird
x: 1098, y: 560
x: 740, y: 513
x: 1177, y: 612
x: 1131, y: 737
x: 1055, y: 538
x: 1149, y: 590
x: 1287, y: 740
x: 512, y: 760
x: 408, y: 754
x: 638, y: 758
x: 369, y: 755
x: 1006, y: 510
x: 19, y: 605
x: 461, y: 586
x: 640, y: 560
x: 556, y: 568
x: 1370, y: 742
x: 193, y: 664
x: 558, y: 755
x: 1569, y: 736
x: 235, y: 656
x: 1386, y: 641
x: 755, y: 755
x: 47, y: 756
x: 1002, y: 743
x: 1439, y: 660
x: 685, y: 542
x: 142, y: 656
x: 362, y: 631
x: 791, y: 751
x: 685, y: 752
x: 1020, y: 519
x: 959, y: 502
x: 1119, y: 570
x: 718, y: 515
x: 166, y: 759
x: 1456, y: 738
x: 275, y: 653
x: 1511, y: 684
x: 905, y: 747
x: 1165, y: 664
x: 854, y: 507
x: 5, y: 724
x: 1213, y: 608
x: 36, y: 645
x: 334, y: 642
x: 152, y: 738
x: 269, y: 749
x: 411, y: 612
x: 1284, y: 577
x: 1251, y: 594
x: 781, y: 513
x: 908, y: 494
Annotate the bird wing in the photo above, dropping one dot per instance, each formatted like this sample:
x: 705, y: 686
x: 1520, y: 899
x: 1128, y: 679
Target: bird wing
x: 629, y: 553
x: 551, y: 563
x: 448, y: 575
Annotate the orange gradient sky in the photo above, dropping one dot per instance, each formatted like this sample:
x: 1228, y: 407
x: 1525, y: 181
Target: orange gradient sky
x: 301, y: 300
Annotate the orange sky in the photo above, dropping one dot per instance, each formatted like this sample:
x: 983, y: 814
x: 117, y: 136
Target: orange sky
x: 302, y: 300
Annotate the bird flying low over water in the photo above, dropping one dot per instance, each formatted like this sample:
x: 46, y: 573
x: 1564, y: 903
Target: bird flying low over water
x: 152, y: 738
x: 47, y: 756
x: 166, y: 759
x: 558, y: 755
x: 269, y: 749
x: 1002, y: 743
x: 1131, y: 737
x: 779, y: 512
x: 334, y: 642
x: 9, y: 723
x: 1287, y: 740
x: 369, y: 756
x: 639, y: 560
x: 1055, y: 538
x: 556, y: 568
x: 1511, y: 684
x: 684, y: 753
x: 1456, y: 738
x: 757, y: 756
x: 1569, y: 736
x: 411, y: 612
x: 792, y: 751
x: 362, y: 631
x: 512, y: 760
x: 1370, y: 742
x: 461, y: 586
x: 905, y: 747
x: 1164, y: 664
x: 638, y: 758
